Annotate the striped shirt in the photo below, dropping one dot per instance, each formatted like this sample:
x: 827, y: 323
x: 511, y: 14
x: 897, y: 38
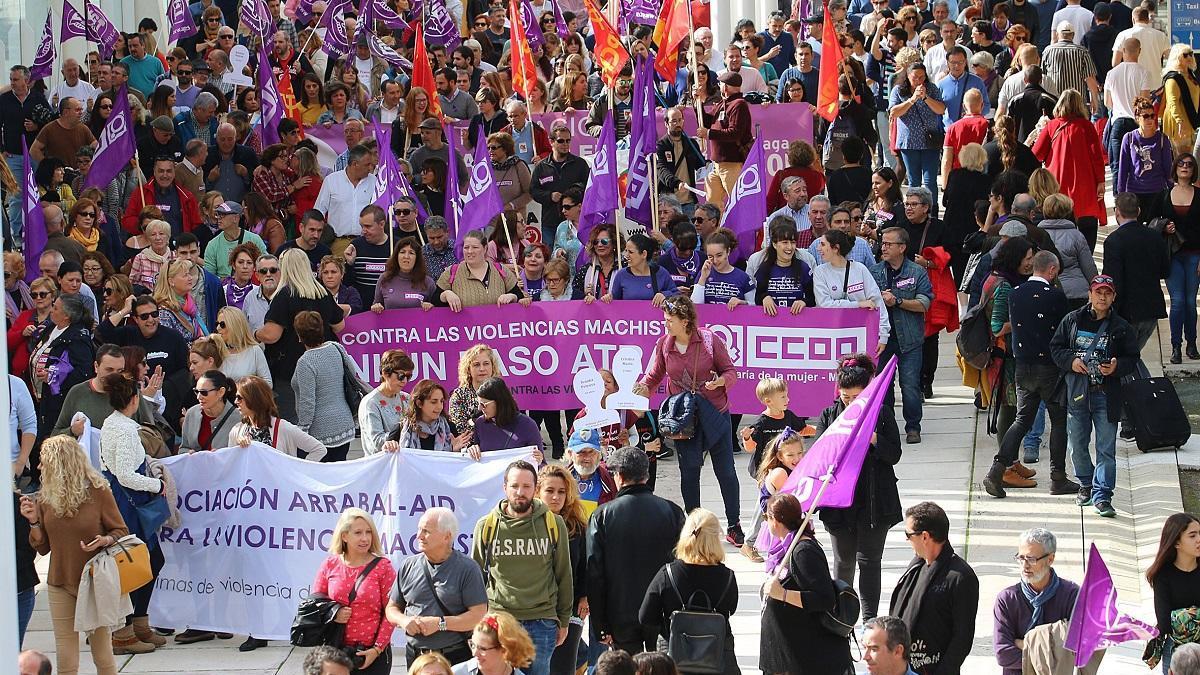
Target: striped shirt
x: 1070, y: 65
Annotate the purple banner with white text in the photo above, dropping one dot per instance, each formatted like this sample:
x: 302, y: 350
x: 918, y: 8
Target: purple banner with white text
x: 542, y: 346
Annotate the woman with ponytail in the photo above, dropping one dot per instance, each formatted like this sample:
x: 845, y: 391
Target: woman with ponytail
x: 1007, y: 151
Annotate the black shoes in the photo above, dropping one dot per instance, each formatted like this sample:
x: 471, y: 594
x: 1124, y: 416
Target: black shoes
x: 1176, y: 355
x: 251, y: 644
x: 1191, y: 351
x: 993, y: 482
x: 735, y: 536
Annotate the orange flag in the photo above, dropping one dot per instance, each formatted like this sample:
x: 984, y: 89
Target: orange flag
x: 524, y: 72
x: 291, y: 107
x: 672, y: 28
x: 422, y: 72
x: 609, y: 52
x: 831, y: 67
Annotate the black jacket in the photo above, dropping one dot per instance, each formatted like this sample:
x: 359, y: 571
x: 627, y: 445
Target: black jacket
x: 27, y: 574
x: 1187, y: 225
x: 941, y: 615
x: 668, y: 162
x: 629, y: 540
x: 876, y: 499
x: 165, y: 348
x: 550, y: 176
x: 1028, y: 107
x: 1122, y: 345
x: 76, y: 345
x: 1136, y: 258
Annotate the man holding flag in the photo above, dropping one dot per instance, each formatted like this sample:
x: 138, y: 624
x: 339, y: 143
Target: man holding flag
x: 730, y: 135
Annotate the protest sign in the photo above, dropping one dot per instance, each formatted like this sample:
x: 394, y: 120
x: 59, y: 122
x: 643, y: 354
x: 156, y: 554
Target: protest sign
x: 256, y: 526
x: 542, y: 346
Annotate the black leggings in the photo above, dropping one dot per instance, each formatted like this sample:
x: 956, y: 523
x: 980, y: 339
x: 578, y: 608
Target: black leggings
x: 336, y: 453
x: 864, y: 546
x: 141, y: 596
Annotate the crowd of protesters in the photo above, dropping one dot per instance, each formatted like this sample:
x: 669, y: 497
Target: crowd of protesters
x: 193, y: 303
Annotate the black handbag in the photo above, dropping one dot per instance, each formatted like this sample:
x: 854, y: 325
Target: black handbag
x: 698, y: 633
x: 314, y: 624
x: 352, y: 389
x: 677, y: 416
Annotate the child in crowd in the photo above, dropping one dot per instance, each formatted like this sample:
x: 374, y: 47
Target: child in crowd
x: 772, y: 392
x: 783, y: 453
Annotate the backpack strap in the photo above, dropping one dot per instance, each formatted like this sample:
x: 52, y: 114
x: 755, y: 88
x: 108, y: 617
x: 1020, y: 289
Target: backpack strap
x: 491, y: 523
x: 552, y: 530
x: 674, y: 587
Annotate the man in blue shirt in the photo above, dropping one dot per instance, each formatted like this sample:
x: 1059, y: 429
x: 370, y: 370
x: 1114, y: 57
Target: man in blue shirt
x: 22, y: 417
x: 776, y: 36
x: 144, y: 70
x: 955, y: 85
x: 885, y: 645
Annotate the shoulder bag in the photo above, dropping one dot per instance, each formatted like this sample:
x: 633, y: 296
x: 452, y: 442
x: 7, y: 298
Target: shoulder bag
x: 352, y: 389
x: 697, y: 633
x: 677, y: 414
x: 132, y: 557
x: 351, y: 651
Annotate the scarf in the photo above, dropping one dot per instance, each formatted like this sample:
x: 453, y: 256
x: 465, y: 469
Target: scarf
x: 914, y: 584
x: 156, y: 258
x: 260, y: 434
x: 89, y: 243
x: 1039, y: 600
x: 189, y: 316
x: 776, y: 564
x: 12, y: 309
x: 235, y: 296
x: 439, y: 429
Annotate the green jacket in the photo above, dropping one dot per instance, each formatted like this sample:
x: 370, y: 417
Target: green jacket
x: 528, y: 575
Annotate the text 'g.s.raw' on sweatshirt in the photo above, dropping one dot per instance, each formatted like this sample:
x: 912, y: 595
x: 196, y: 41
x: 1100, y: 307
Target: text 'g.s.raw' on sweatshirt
x: 530, y: 574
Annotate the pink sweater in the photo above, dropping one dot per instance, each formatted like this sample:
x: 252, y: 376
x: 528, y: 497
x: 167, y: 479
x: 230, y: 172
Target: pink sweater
x: 712, y: 357
x: 335, y: 579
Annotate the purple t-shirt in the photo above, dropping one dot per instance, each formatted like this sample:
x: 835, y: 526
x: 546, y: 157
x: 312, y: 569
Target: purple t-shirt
x: 784, y: 287
x: 628, y: 286
x: 721, y: 288
x: 522, y: 432
x: 399, y: 292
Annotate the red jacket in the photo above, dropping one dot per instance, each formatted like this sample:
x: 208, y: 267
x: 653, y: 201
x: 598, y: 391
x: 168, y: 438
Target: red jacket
x: 191, y: 209
x: 541, y: 140
x: 1070, y: 149
x: 943, y: 310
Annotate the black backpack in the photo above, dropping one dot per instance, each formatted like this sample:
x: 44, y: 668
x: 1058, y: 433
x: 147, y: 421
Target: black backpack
x: 697, y: 633
x: 975, y: 335
x: 841, y: 619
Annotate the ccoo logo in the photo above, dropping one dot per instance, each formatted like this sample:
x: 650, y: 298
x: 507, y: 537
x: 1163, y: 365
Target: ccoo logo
x: 603, y: 165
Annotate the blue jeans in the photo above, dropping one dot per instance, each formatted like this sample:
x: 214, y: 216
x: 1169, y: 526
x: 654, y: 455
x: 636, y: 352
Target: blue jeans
x: 1182, y: 284
x: 25, y: 602
x: 908, y: 366
x: 1114, y: 131
x: 923, y: 167
x: 1033, y: 440
x: 1082, y: 417
x: 714, y: 435
x: 16, y: 206
x: 1168, y: 648
x: 544, y: 633
x: 885, y: 156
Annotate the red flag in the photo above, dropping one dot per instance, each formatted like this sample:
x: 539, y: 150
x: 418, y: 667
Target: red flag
x: 422, y: 72
x: 609, y: 52
x: 831, y: 67
x: 291, y: 107
x: 524, y: 72
x: 672, y: 28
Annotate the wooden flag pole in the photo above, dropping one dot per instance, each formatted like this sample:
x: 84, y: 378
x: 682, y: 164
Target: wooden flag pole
x: 652, y: 172
x: 512, y: 251
x: 693, y: 64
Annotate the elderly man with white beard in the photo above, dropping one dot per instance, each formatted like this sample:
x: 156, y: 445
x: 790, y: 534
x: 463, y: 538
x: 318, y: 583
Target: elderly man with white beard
x: 596, y: 484
x: 1040, y: 598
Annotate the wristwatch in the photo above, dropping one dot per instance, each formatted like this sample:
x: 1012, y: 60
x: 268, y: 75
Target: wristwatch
x: 442, y: 623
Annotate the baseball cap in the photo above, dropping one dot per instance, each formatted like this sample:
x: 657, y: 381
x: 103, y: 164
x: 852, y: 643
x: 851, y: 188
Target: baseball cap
x: 1013, y: 228
x: 229, y: 209
x: 1103, y: 281
x: 163, y: 123
x: 1066, y: 27
x: 584, y: 439
x: 731, y: 78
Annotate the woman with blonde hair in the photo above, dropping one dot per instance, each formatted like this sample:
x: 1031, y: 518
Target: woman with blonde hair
x: 477, y: 365
x: 1078, y: 265
x: 16, y: 291
x: 177, y: 309
x: 430, y: 663
x: 298, y: 291
x: 72, y: 517
x: 699, y: 565
x: 245, y: 356
x: 559, y: 491
x: 966, y: 185
x: 500, y: 646
x: 1181, y: 97
x: 1070, y: 148
x: 354, y: 550
x: 1042, y: 184
x: 149, y: 260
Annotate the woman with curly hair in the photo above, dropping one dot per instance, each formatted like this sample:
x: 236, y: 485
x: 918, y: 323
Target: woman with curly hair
x: 1144, y: 164
x: 500, y: 646
x: 592, y: 281
x: 406, y: 132
x: 477, y: 365
x: 1006, y: 152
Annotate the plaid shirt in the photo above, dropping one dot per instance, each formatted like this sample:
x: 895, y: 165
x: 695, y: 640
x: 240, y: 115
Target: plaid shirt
x: 289, y: 29
x: 277, y: 189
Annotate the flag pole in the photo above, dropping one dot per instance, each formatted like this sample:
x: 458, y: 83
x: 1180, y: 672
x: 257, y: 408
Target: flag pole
x: 512, y: 252
x: 693, y: 65
x: 652, y: 160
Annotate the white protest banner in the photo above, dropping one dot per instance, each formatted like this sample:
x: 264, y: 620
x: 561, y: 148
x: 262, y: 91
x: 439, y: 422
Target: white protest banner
x: 256, y: 525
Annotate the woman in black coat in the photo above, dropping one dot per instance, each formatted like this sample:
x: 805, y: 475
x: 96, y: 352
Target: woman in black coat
x: 860, y: 530
x: 792, y: 639
x: 966, y: 185
x: 62, y: 358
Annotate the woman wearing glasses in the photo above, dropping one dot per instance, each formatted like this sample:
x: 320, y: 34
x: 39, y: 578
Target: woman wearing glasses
x: 557, y: 278
x: 1145, y: 163
x: 593, y: 281
x: 245, y: 355
x: 208, y: 424
x: 28, y: 326
x: 82, y: 226
x: 566, y: 237
x: 101, y: 110
x: 1181, y: 97
x: 1180, y: 204
x: 96, y: 270
x: 387, y: 406
x: 261, y: 423
x: 511, y: 174
x: 500, y: 647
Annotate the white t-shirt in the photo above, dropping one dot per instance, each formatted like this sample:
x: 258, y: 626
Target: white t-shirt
x: 1079, y: 17
x: 936, y: 64
x: 1154, y: 43
x: 752, y: 80
x: 83, y: 91
x: 1123, y: 84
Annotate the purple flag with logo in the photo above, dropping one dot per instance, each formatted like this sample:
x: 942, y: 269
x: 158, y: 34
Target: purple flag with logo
x: 43, y: 60
x: 379, y: 49
x: 1096, y: 622
x: 378, y: 10
x: 180, y: 19
x: 335, y: 42
x: 840, y: 451
x: 35, y: 220
x: 643, y: 138
x: 304, y: 11
x: 453, y: 193
x: 271, y: 108
x: 533, y: 29
x: 560, y: 22
x: 407, y: 190
x: 257, y: 19
x: 73, y: 25
x: 386, y: 181
x: 100, y: 30
x: 644, y: 12
x: 116, y: 144
x: 601, y: 197
x: 746, y: 208
x: 439, y: 27
x: 481, y: 202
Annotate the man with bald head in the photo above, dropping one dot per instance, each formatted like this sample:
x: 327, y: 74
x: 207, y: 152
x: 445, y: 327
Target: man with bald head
x: 229, y: 166
x: 72, y: 85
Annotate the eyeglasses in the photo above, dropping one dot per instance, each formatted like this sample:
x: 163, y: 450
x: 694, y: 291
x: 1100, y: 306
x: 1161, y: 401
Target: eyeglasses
x: 1029, y: 559
x: 856, y: 219
x: 554, y: 280
x: 225, y: 37
x: 913, y: 205
x: 475, y: 647
x: 94, y: 268
x: 562, y: 140
x: 147, y: 315
x: 891, y: 243
x: 268, y: 270
x: 88, y: 214
x: 203, y: 392
x: 37, y: 294
x: 910, y: 535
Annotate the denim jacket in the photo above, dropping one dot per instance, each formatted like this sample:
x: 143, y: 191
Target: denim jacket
x: 912, y: 283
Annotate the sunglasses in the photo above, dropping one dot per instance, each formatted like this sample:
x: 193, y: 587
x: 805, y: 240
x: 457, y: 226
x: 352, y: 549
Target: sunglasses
x: 604, y: 241
x: 493, y: 147
x: 9, y: 275
x: 568, y: 207
x: 268, y: 270
x: 1148, y: 116
x: 183, y: 72
x: 222, y: 324
x: 144, y: 316
x: 403, y: 212
x: 1186, y: 162
x: 203, y: 392
x: 106, y: 106
x: 562, y: 140
x: 403, y: 375
x: 481, y: 25
x: 213, y: 20
x: 699, y: 219
x: 109, y: 291
x: 238, y: 398
x: 225, y: 37
x: 910, y: 535
x: 37, y: 294
x: 88, y: 214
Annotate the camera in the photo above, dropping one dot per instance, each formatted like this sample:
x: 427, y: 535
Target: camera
x: 1095, y: 377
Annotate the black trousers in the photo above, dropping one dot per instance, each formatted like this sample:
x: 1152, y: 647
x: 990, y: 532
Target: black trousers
x: 929, y: 360
x: 459, y: 653
x: 1036, y: 384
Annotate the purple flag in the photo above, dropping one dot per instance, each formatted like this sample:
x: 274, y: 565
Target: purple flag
x: 257, y: 19
x: 560, y: 22
x: 440, y: 27
x: 180, y: 19
x: 600, y: 197
x: 386, y: 179
x: 35, y: 220
x: 379, y: 49
x: 644, y: 12
x: 73, y: 25
x: 116, y: 144
x: 304, y: 11
x: 271, y: 108
x: 453, y: 193
x: 378, y: 10
x: 481, y: 202
x: 335, y: 42
x: 100, y: 29
x: 746, y: 208
x: 1096, y: 622
x: 43, y: 61
x: 533, y: 28
x: 58, y: 368
x: 643, y: 138
x: 840, y: 451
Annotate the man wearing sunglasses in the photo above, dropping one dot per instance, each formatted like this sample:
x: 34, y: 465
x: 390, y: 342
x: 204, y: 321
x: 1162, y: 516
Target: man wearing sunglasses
x: 621, y: 103
x: 62, y: 137
x: 165, y: 347
x: 553, y: 176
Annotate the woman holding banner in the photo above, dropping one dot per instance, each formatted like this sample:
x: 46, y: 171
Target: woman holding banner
x: 386, y: 407
x: 593, y: 280
x: 500, y: 424
x: 425, y: 424
x: 471, y: 283
x: 356, y: 564
x: 860, y: 530
x: 695, y: 359
x: 261, y: 423
x: 847, y: 283
x: 208, y: 424
x: 404, y: 283
x: 640, y: 280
